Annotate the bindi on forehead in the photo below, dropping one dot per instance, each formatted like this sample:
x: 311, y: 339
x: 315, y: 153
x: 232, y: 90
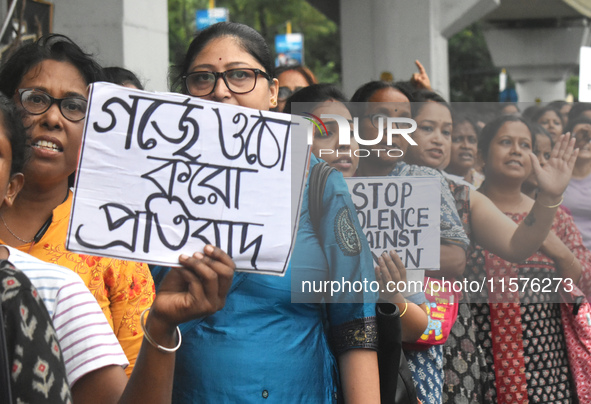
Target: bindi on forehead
x: 220, y: 59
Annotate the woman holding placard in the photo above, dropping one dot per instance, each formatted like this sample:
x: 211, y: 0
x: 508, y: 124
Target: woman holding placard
x: 80, y: 352
x: 433, y: 118
x: 490, y: 228
x: 48, y: 80
x: 261, y: 344
x: 327, y: 99
x: 391, y: 100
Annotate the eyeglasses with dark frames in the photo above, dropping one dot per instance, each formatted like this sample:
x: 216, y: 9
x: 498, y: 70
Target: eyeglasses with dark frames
x: 375, y: 120
x: 286, y: 92
x: 37, y: 102
x: 238, y: 81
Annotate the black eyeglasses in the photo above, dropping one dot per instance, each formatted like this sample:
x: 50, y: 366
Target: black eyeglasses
x: 37, y: 102
x: 286, y: 92
x: 238, y: 81
x: 375, y: 119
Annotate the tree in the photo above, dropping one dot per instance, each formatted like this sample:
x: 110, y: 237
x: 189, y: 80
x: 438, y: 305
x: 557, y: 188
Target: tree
x: 472, y: 74
x: 181, y: 26
x: 321, y: 36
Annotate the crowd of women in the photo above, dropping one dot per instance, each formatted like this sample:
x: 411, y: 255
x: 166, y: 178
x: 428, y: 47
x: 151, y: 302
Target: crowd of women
x: 513, y: 192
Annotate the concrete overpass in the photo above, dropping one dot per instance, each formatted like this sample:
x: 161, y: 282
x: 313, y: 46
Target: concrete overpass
x: 537, y: 41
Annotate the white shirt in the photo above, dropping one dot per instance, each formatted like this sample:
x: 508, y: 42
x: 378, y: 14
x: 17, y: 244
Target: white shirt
x: 84, y: 335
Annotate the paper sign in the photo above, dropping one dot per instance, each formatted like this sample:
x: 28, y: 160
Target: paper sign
x: 585, y: 74
x: 401, y: 214
x: 165, y: 174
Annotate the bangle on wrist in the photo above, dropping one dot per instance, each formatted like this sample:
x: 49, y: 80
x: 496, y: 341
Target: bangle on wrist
x: 405, y: 308
x: 554, y: 206
x: 151, y: 340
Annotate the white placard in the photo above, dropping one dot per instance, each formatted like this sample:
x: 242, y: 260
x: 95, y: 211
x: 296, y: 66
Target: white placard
x: 401, y: 214
x: 585, y: 74
x: 165, y: 174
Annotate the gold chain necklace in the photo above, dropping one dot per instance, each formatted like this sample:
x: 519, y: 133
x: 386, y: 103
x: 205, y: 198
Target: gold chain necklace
x: 14, y: 235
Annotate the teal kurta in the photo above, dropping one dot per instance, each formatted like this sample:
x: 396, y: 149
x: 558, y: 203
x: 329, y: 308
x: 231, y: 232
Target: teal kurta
x: 262, y: 347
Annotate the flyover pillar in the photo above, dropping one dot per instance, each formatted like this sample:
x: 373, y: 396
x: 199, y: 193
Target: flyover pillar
x: 131, y: 33
x: 539, y: 60
x: 388, y: 35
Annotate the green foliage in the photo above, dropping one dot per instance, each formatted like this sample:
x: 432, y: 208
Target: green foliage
x: 181, y: 25
x: 321, y: 36
x: 472, y: 74
x: 572, y: 86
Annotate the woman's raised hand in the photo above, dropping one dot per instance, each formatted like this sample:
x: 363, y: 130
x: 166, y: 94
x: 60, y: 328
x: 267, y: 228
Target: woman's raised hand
x: 420, y: 79
x: 390, y: 273
x: 554, y: 177
x: 196, y: 289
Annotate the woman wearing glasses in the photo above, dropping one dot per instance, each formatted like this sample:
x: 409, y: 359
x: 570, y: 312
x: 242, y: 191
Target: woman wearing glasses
x: 261, y: 345
x: 292, y: 79
x: 48, y: 80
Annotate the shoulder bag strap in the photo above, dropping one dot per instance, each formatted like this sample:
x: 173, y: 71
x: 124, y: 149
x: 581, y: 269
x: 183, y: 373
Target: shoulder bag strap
x: 316, y: 184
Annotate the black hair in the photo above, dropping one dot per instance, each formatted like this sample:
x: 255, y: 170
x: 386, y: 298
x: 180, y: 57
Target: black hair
x: 51, y: 47
x: 558, y: 104
x: 316, y: 93
x: 364, y: 93
x: 405, y: 87
x: 502, y: 105
x: 303, y: 70
x: 580, y: 120
x: 537, y: 114
x: 13, y: 129
x: 121, y: 76
x: 492, y: 128
x: 537, y: 129
x: 529, y: 112
x: 461, y: 117
x: 248, y: 38
x: 422, y: 97
x: 578, y: 109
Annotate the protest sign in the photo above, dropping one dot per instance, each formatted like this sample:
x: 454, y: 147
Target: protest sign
x: 164, y: 174
x: 400, y: 214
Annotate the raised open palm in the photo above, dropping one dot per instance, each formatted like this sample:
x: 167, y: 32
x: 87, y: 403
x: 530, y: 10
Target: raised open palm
x: 554, y: 176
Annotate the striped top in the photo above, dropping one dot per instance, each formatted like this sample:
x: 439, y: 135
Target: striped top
x: 86, y: 339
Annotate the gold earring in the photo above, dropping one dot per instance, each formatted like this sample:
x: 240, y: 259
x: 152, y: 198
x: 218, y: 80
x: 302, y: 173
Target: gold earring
x: 274, y: 102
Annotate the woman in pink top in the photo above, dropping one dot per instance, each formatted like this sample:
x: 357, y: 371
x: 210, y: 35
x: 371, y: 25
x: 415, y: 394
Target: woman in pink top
x: 578, y: 193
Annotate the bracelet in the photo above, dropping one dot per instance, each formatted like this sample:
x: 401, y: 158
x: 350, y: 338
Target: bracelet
x: 554, y: 206
x: 152, y: 342
x: 405, y: 308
